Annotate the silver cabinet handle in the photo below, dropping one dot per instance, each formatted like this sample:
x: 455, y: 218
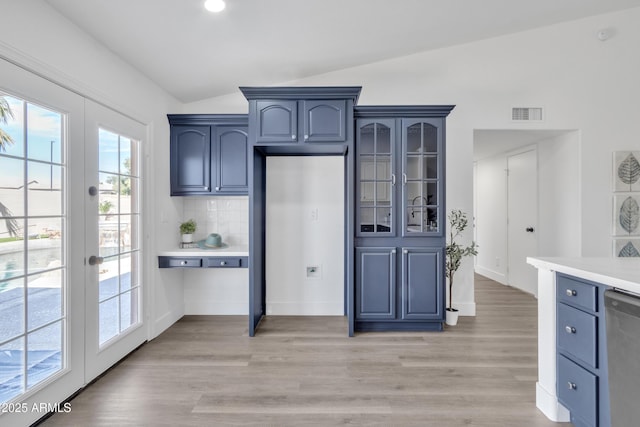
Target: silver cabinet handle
x: 571, y: 292
x: 183, y: 262
x: 393, y: 179
x: 223, y: 262
x: 404, y: 178
x: 571, y: 386
x: 570, y: 329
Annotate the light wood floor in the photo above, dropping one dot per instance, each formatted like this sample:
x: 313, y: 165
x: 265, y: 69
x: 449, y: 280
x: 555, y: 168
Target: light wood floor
x: 206, y: 371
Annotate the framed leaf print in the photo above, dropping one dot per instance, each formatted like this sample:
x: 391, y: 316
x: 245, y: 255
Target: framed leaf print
x: 626, y: 214
x: 626, y: 171
x: 626, y: 248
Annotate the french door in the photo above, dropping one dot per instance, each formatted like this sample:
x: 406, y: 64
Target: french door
x: 114, y: 294
x: 62, y: 320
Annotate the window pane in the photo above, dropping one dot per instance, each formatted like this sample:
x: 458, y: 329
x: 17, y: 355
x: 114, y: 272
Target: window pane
x: 109, y: 319
x: 11, y: 255
x: 44, y: 189
x: 414, y: 138
x: 430, y: 192
x: 430, y: 164
x: 129, y: 192
x: 44, y: 133
x: 11, y: 369
x: 44, y: 357
x: 413, y: 167
x: 383, y: 168
x: 44, y: 298
x: 383, y: 219
x: 108, y: 155
x: 383, y: 192
x: 14, y: 128
x: 366, y: 219
x: 128, y: 309
x: 430, y: 138
x: 126, y: 270
x: 108, y: 278
x: 45, y: 244
x: 11, y: 309
x: 11, y: 188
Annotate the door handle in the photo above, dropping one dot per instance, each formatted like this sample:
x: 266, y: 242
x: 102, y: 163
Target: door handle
x: 529, y: 229
x: 95, y: 260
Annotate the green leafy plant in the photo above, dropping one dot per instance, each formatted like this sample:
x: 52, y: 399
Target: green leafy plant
x: 188, y: 227
x: 105, y: 207
x: 454, y: 251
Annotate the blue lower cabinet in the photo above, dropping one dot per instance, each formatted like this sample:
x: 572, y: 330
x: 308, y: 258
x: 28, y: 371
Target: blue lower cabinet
x: 407, y: 298
x: 582, y: 380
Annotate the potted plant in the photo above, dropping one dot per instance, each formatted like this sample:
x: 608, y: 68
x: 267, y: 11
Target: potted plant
x: 187, y: 229
x: 454, y: 253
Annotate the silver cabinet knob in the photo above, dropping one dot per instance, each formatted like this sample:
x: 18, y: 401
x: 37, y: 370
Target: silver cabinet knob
x: 572, y: 292
x: 183, y: 262
x: 223, y: 262
x: 571, y: 386
x: 570, y: 329
x: 405, y: 251
x: 217, y: 188
x: 306, y: 137
x: 206, y: 188
x: 293, y: 137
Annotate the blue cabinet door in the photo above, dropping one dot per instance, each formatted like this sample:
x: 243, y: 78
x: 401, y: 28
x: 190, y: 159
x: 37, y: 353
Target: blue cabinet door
x: 232, y: 151
x: 324, y: 120
x: 375, y: 290
x: 190, y: 160
x: 422, y: 283
x: 276, y: 121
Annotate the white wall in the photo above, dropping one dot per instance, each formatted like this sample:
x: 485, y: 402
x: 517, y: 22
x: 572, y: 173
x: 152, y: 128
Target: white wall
x: 582, y: 82
x: 558, y: 227
x: 305, y: 228
x: 36, y: 37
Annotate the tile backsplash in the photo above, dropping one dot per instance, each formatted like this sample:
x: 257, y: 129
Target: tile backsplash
x: 225, y: 215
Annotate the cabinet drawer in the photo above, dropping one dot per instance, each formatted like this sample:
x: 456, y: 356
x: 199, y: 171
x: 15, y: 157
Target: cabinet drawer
x: 173, y: 262
x: 577, y: 293
x: 577, y: 390
x: 224, y: 262
x: 576, y: 333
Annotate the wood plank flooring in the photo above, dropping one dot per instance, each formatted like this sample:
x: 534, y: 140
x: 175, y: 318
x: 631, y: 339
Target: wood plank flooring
x: 305, y: 371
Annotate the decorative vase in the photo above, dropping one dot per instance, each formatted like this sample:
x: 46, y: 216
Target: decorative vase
x: 187, y: 238
x: 452, y: 317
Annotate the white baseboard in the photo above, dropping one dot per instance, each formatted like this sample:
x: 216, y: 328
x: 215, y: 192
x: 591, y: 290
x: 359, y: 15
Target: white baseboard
x: 227, y: 308
x: 491, y: 274
x: 466, y: 308
x: 548, y: 403
x: 304, y: 308
x: 164, y: 322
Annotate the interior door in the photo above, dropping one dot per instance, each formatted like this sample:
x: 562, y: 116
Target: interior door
x: 522, y: 217
x: 113, y: 194
x: 41, y: 245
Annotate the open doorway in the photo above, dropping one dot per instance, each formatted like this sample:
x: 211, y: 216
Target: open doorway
x: 305, y: 235
x: 553, y: 193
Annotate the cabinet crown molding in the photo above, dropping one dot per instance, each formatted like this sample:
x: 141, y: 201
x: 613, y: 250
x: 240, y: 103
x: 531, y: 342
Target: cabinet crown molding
x: 302, y: 92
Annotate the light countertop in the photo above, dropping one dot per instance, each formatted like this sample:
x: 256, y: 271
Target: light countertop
x: 622, y: 273
x: 198, y: 252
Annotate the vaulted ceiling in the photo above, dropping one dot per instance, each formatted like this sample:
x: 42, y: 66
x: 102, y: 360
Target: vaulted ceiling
x: 194, y: 55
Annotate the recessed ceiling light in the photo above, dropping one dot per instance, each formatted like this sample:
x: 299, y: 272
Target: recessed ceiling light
x: 214, y: 5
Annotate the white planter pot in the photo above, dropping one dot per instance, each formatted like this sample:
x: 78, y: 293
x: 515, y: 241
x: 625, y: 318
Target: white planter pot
x: 187, y: 238
x: 452, y: 317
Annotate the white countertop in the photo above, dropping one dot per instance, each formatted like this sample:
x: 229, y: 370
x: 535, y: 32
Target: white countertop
x: 228, y: 251
x: 622, y: 273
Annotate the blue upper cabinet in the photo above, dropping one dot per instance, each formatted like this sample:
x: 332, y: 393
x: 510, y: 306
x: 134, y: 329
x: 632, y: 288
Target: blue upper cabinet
x: 325, y: 120
x: 276, y: 121
x: 299, y: 115
x: 209, y: 154
x: 190, y: 159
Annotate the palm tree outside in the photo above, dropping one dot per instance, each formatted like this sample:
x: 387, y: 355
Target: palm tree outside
x: 5, y: 141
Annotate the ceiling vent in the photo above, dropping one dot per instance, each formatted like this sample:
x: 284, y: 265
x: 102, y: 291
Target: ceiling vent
x: 527, y: 114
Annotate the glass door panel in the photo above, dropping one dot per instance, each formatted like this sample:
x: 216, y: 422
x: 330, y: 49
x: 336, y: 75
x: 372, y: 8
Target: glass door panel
x: 421, y: 176
x: 33, y: 238
x: 376, y: 175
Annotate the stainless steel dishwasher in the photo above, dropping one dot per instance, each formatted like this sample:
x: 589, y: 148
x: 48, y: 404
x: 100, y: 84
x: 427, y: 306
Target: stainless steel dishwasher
x: 623, y: 350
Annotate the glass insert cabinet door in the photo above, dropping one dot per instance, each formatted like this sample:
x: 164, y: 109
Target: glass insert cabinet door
x: 422, y: 189
x: 376, y: 178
